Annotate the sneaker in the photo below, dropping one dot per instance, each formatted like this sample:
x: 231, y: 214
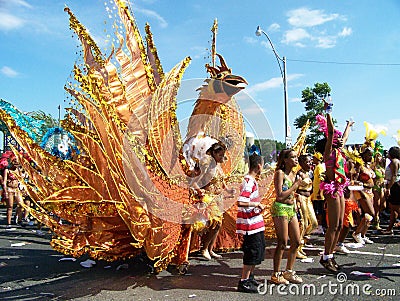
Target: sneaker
x: 367, y: 240
x: 254, y: 281
x: 292, y: 277
x: 278, y: 278
x: 328, y: 264
x: 358, y: 238
x: 387, y: 232
x: 342, y: 249
x: 335, y: 264
x: 246, y: 286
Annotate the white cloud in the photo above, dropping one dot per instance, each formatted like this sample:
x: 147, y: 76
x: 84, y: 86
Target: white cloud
x: 274, y: 82
x: 152, y: 14
x: 250, y: 40
x: 345, y: 32
x: 326, y: 41
x: 295, y: 99
x: 7, y: 71
x: 269, y: 84
x: 19, y: 3
x: 274, y: 27
x: 390, y: 127
x: 295, y: 35
x: 8, y: 21
x: 307, y: 29
x: 304, y: 17
x: 299, y: 45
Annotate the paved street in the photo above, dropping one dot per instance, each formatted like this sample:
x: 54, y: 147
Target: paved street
x: 31, y: 270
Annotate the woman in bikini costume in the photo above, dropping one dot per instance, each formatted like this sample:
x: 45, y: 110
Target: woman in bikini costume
x: 379, y: 188
x: 11, y: 190
x: 284, y: 216
x: 365, y: 197
x: 334, y: 184
x: 308, y: 219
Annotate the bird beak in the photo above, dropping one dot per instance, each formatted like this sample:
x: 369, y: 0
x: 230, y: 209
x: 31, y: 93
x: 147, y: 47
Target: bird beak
x: 236, y: 80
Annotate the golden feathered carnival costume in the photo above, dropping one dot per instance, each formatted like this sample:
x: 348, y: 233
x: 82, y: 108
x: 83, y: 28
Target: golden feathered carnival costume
x: 127, y: 189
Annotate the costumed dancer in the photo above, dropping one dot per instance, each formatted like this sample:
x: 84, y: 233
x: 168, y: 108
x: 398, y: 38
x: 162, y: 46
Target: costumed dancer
x: 365, y: 197
x: 372, y: 133
x: 308, y: 218
x: 317, y: 196
x: 204, y: 155
x: 354, y: 163
x: 379, y: 184
x: 393, y: 186
x: 250, y: 224
x: 334, y: 183
x: 350, y: 205
x: 11, y: 190
x: 208, y: 188
x: 284, y: 216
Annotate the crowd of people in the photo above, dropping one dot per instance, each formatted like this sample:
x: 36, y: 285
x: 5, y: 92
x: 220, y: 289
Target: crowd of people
x: 333, y: 190
x: 328, y: 192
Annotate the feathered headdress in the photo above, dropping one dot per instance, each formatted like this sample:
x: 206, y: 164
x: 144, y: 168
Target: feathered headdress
x: 378, y: 149
x: 353, y: 155
x: 372, y: 132
x: 323, y: 127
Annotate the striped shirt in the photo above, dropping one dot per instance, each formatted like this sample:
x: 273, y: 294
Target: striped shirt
x: 249, y: 219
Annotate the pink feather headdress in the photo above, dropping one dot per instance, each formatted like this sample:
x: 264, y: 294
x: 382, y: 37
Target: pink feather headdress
x: 323, y: 127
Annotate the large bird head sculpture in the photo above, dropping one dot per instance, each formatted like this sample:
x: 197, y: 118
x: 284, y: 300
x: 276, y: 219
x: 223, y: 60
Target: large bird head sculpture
x: 218, y: 90
x: 222, y: 81
x: 216, y: 113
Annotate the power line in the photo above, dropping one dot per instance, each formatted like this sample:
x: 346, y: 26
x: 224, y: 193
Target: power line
x: 344, y: 63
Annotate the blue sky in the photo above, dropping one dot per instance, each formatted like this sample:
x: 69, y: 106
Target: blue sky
x: 356, y: 42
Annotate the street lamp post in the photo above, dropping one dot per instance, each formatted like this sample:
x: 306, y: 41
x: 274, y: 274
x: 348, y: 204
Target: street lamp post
x: 288, y: 138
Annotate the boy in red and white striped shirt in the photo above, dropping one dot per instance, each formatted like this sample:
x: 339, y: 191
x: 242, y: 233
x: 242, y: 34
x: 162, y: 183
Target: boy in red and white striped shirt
x: 250, y: 224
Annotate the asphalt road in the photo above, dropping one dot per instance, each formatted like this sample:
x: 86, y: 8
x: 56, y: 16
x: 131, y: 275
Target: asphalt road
x: 31, y: 270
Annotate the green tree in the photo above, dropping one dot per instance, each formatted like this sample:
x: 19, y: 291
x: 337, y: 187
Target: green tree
x: 311, y: 97
x: 269, y: 148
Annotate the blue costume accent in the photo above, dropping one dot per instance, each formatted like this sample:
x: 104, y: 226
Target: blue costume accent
x: 60, y: 143
x: 254, y: 149
x: 33, y: 127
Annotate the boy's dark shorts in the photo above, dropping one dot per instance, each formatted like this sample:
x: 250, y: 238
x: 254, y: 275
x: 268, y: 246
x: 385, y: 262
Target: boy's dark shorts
x: 253, y: 248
